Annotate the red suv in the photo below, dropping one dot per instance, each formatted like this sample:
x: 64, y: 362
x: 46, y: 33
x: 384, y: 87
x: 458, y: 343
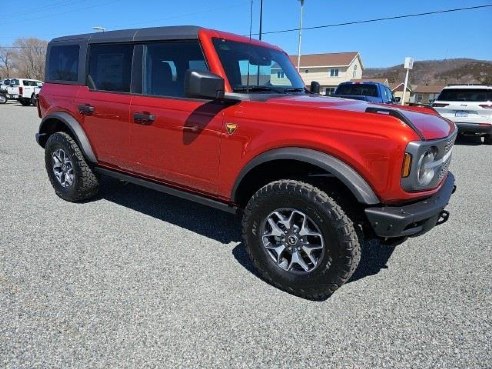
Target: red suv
x: 227, y: 121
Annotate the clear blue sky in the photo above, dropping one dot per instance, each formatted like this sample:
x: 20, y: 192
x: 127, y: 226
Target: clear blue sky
x: 453, y: 35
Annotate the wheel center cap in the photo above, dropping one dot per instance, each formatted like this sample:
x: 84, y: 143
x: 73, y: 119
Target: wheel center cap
x: 292, y: 240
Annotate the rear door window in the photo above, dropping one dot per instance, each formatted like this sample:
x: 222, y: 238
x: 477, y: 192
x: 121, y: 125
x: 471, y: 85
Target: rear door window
x: 110, y: 67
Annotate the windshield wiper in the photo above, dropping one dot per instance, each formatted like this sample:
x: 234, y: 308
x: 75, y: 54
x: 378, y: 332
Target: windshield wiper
x: 252, y: 88
x: 294, y: 89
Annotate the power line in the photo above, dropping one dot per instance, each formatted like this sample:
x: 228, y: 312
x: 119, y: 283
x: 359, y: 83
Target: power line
x: 381, y: 19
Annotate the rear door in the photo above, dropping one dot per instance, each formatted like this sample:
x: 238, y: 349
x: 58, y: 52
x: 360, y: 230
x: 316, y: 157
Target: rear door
x: 175, y: 139
x: 104, y: 105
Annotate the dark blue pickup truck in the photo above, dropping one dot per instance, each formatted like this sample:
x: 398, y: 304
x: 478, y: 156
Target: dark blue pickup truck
x: 368, y: 91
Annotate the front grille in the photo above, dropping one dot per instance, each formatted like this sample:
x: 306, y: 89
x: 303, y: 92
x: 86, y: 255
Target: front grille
x: 444, y: 170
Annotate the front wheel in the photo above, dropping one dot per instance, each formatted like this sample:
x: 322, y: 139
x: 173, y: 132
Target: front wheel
x: 300, y: 239
x: 68, y: 171
x: 3, y: 99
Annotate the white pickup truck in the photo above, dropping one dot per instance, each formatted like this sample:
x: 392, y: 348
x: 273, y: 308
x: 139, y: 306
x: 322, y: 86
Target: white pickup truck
x: 23, y: 90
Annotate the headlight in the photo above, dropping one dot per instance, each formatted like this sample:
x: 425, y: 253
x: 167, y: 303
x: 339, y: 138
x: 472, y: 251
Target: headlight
x: 426, y: 167
x: 425, y: 163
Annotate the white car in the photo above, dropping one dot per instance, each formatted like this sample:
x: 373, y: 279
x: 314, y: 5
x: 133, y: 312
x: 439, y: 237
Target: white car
x: 470, y: 107
x: 23, y: 90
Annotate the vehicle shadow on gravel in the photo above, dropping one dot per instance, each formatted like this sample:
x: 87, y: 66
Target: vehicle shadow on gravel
x: 215, y: 224
x: 374, y: 258
x: 208, y: 222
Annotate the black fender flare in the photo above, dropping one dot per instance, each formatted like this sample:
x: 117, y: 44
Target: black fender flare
x: 340, y: 170
x: 74, y: 127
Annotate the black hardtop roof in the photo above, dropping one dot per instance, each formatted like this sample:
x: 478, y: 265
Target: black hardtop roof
x: 137, y: 34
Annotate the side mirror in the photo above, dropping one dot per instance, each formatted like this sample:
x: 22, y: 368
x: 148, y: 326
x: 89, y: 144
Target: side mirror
x: 397, y: 99
x: 315, y: 87
x: 203, y: 85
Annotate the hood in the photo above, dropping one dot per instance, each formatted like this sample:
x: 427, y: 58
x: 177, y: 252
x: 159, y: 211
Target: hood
x: 426, y: 122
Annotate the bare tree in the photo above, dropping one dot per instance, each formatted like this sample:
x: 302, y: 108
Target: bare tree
x: 7, y: 66
x: 29, y: 57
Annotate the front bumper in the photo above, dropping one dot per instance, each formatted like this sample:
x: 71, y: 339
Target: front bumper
x: 474, y: 128
x: 414, y: 219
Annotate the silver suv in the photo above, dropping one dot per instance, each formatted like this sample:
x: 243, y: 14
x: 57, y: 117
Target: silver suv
x: 470, y: 107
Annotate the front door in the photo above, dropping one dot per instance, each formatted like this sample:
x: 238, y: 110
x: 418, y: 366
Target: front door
x: 175, y: 139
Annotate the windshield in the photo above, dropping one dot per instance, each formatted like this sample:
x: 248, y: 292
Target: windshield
x: 252, y: 68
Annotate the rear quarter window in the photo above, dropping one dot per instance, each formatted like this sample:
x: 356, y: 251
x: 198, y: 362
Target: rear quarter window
x: 63, y: 64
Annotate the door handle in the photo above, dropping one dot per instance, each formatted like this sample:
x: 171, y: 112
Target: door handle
x: 194, y: 128
x: 144, y: 118
x: 86, y: 109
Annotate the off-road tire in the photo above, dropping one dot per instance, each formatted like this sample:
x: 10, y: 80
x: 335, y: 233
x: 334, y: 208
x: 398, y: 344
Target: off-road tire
x: 25, y: 102
x: 85, y: 183
x: 487, y: 139
x: 34, y: 101
x: 342, y: 245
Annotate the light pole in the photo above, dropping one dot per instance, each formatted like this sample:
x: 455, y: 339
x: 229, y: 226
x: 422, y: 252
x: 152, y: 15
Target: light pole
x: 300, y: 38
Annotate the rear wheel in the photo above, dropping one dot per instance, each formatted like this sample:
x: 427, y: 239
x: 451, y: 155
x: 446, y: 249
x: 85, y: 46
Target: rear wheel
x: 34, y: 101
x: 300, y: 239
x: 68, y: 171
x: 25, y: 102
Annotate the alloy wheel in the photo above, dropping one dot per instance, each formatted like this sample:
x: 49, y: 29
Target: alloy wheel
x: 63, y: 168
x: 293, y: 240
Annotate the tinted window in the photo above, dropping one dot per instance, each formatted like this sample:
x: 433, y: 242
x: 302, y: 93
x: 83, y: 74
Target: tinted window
x: 14, y: 82
x: 110, y: 67
x: 387, y: 95
x: 357, y: 89
x: 468, y: 94
x: 165, y: 65
x: 28, y: 82
x: 63, y: 63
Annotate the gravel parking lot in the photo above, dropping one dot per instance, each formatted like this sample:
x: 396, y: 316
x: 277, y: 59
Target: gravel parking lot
x: 140, y: 279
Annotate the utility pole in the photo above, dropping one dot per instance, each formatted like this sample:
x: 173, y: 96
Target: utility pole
x: 300, y: 38
x: 261, y: 17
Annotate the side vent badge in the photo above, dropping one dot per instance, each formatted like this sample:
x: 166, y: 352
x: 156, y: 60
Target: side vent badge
x: 231, y: 128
